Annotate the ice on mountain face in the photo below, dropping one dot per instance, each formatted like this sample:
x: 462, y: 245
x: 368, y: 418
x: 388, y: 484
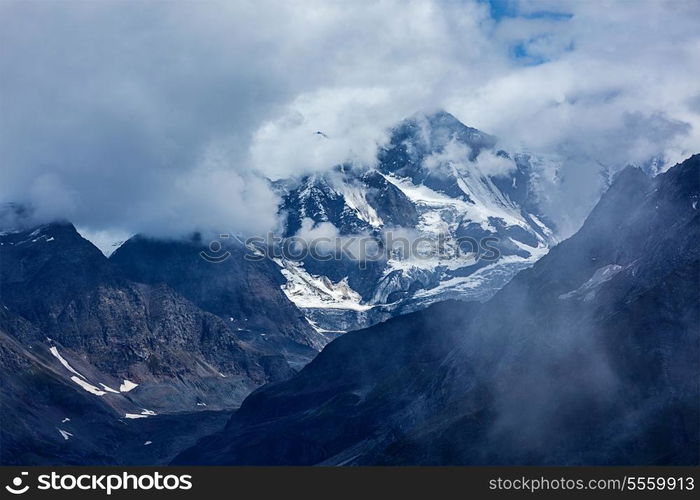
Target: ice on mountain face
x: 127, y: 385
x: 355, y: 199
x: 588, y: 290
x: 88, y: 387
x: 423, y: 195
x: 315, y: 188
x: 55, y: 353
x: 483, y: 282
x: 455, y: 185
x: 108, y: 388
x: 441, y: 215
x: 81, y: 380
x: 437, y: 273
x: 430, y: 202
x: 340, y: 198
x: 430, y: 256
x: 65, y: 434
x: 106, y: 241
x: 547, y: 232
x: 316, y: 326
x: 308, y: 291
x: 144, y: 414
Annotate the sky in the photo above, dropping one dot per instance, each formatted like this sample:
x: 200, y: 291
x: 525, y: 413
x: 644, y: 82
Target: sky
x: 168, y: 117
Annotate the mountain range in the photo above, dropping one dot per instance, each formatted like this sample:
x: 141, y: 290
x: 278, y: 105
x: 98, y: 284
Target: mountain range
x: 588, y: 357
x: 531, y: 350
x: 91, y: 343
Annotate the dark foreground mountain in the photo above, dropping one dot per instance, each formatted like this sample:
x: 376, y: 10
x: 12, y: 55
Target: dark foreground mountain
x: 90, y: 349
x: 589, y: 357
x: 47, y: 419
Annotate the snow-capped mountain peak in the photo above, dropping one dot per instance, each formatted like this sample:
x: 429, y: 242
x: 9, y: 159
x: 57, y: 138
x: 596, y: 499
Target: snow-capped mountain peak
x: 437, y: 183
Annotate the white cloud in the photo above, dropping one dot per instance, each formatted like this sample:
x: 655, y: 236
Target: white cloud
x: 456, y: 155
x: 323, y: 239
x: 162, y: 117
x: 324, y: 129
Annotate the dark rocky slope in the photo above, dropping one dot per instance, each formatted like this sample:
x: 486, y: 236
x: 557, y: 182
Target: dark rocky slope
x: 149, y: 334
x: 81, y: 340
x: 47, y: 419
x: 243, y: 292
x: 589, y: 357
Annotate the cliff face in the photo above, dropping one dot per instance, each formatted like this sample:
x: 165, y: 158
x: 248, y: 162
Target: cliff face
x: 81, y: 337
x: 245, y: 293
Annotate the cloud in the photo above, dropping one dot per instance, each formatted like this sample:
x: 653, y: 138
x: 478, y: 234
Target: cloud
x: 614, y: 87
x: 323, y: 239
x: 456, y: 155
x: 323, y: 129
x: 166, y: 117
